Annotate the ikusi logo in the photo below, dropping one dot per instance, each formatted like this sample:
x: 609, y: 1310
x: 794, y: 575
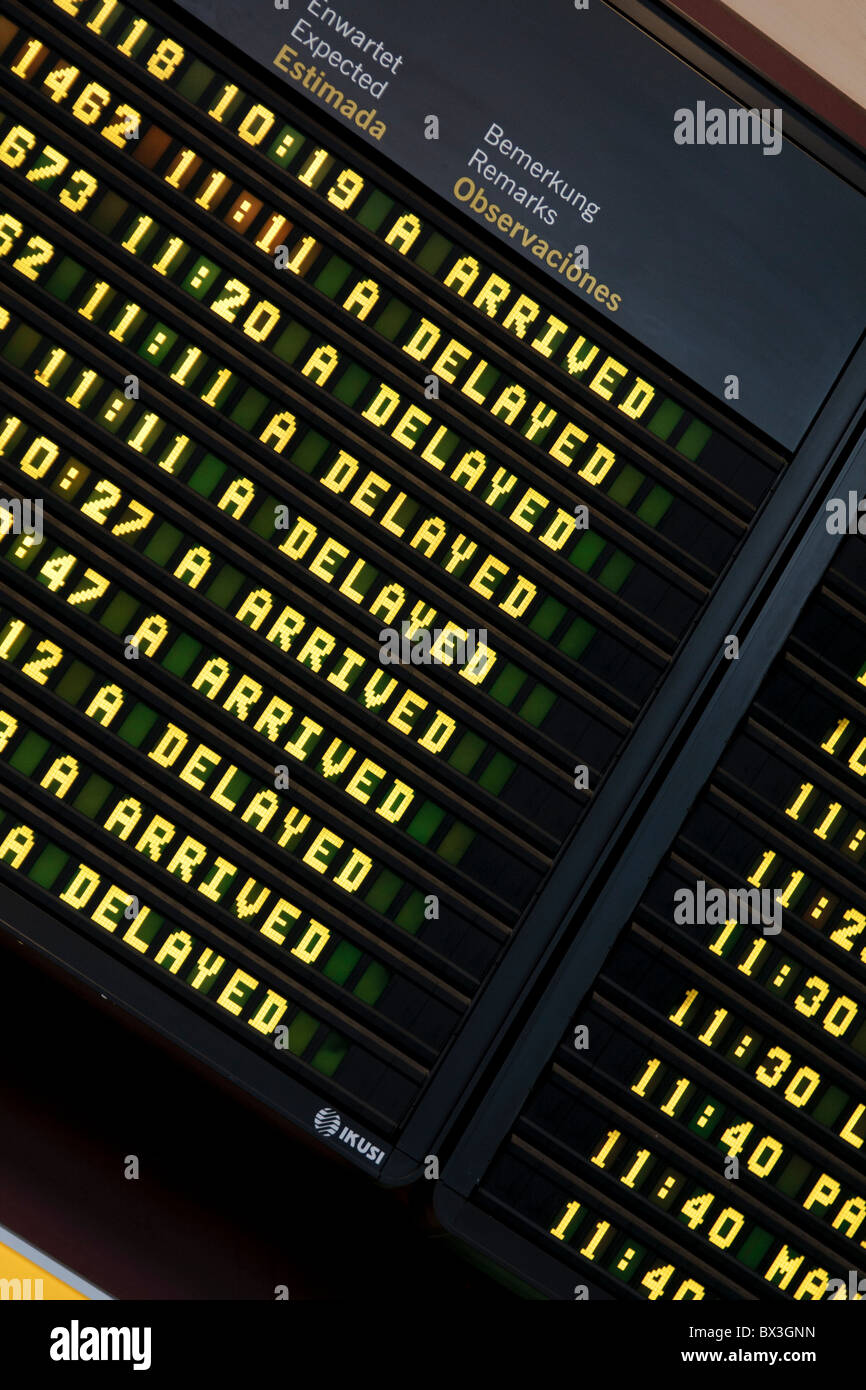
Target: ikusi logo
x: 328, y: 1122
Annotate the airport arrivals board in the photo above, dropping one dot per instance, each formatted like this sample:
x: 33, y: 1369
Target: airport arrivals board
x: 366, y: 568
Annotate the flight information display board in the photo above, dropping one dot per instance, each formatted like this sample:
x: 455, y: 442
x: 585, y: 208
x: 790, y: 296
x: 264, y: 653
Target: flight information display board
x: 342, y: 563
x: 610, y: 165
x: 711, y: 1035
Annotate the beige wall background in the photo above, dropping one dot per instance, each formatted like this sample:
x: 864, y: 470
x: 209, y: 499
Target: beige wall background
x: 828, y: 36
x: 815, y: 50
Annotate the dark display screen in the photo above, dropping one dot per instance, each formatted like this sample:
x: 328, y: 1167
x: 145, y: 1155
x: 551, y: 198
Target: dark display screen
x: 343, y: 563
x: 265, y: 451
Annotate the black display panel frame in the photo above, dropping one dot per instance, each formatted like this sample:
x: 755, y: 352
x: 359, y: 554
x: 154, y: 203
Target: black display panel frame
x: 686, y: 703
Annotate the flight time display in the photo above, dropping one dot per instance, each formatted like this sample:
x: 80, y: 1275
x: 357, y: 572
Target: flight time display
x: 703, y: 1043
x: 273, y: 409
